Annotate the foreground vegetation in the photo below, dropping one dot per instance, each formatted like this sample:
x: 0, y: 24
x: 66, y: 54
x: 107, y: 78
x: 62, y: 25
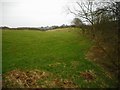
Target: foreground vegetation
x: 50, y: 59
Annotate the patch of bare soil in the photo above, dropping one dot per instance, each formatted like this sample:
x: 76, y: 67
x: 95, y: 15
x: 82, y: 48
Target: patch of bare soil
x: 18, y: 78
x: 95, y: 54
x: 30, y: 79
x: 60, y: 83
x: 98, y: 56
x: 88, y: 76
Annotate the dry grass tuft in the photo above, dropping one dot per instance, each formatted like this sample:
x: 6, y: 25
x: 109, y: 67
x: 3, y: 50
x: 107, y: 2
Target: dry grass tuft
x: 23, y: 79
x: 34, y: 79
x: 89, y: 75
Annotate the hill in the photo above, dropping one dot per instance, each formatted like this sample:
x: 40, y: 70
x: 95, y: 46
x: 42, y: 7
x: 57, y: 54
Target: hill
x: 50, y: 59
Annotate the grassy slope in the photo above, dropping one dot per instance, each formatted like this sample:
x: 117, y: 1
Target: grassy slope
x: 59, y: 52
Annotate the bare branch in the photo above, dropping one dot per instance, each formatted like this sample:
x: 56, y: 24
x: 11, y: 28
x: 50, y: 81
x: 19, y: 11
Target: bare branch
x: 85, y: 16
x: 72, y: 12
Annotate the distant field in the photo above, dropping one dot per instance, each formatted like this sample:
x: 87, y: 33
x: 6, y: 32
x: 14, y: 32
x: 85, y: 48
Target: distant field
x: 57, y: 57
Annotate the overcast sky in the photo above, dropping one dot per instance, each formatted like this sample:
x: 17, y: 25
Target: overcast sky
x: 34, y: 13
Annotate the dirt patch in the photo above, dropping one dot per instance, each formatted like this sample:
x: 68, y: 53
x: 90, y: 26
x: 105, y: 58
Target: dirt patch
x: 59, y: 83
x: 100, y: 57
x: 88, y: 75
x: 65, y: 83
x: 34, y: 79
x: 95, y: 54
x: 68, y: 84
x: 19, y: 78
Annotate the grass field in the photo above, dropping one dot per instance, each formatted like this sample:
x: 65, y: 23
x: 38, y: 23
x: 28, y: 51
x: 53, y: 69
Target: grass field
x: 59, y: 55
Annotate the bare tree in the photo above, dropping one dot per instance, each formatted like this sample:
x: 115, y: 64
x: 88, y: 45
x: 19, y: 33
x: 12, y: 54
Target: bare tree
x: 77, y: 22
x: 85, y: 12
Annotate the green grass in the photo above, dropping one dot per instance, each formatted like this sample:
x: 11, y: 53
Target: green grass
x: 60, y: 52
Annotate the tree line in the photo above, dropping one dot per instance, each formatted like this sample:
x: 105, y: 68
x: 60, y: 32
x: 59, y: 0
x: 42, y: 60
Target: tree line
x: 100, y: 21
